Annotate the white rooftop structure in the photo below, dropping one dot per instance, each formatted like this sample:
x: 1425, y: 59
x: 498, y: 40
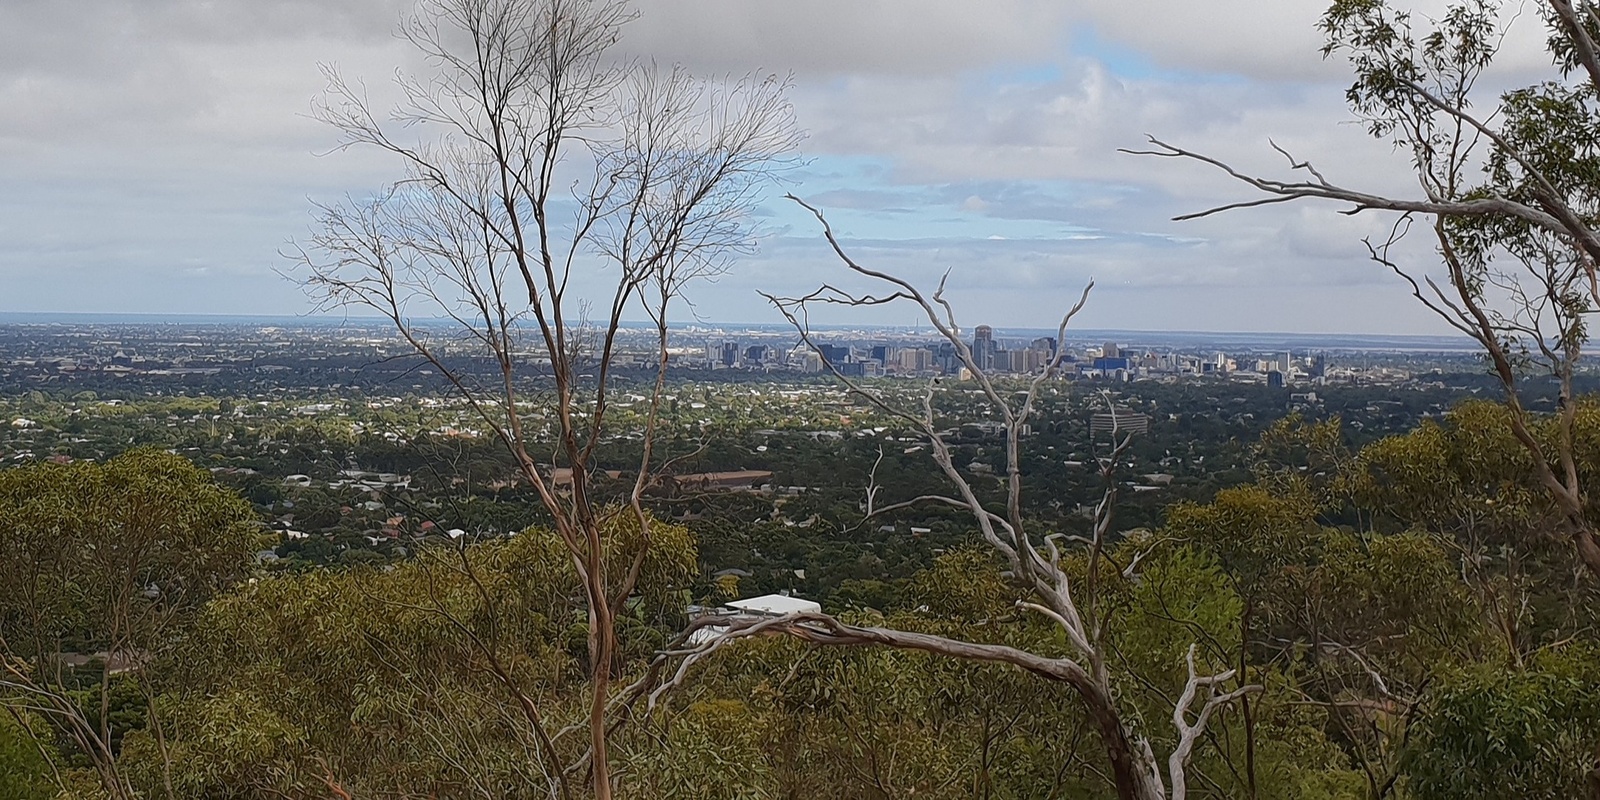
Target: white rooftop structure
x: 767, y: 605
x: 776, y: 605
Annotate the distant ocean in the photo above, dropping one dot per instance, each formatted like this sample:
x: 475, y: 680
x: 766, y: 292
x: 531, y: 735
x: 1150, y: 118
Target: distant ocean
x: 1279, y: 341
x: 1220, y: 340
x: 288, y: 321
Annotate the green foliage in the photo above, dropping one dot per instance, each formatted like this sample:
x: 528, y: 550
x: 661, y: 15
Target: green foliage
x: 1418, y: 560
x: 1181, y: 597
x: 24, y: 772
x: 1301, y: 459
x: 1467, y: 480
x: 1467, y: 471
x: 1255, y: 532
x: 714, y: 749
x: 1357, y: 624
x: 406, y: 679
x: 1400, y: 597
x: 101, y: 555
x: 1390, y: 58
x: 106, y: 563
x: 875, y: 723
x: 964, y: 585
x: 1527, y: 733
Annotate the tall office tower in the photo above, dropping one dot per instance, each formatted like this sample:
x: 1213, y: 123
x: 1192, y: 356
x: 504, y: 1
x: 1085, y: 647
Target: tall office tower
x: 835, y: 354
x: 1284, y: 361
x: 983, y: 347
x: 1044, y: 344
x: 915, y: 359
x: 945, y: 357
x: 730, y: 354
x: 879, y: 353
x: 1319, y: 365
x: 1025, y: 362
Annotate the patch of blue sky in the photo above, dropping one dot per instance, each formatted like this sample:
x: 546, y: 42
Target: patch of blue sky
x: 943, y: 224
x: 1131, y: 64
x: 862, y: 200
x: 919, y: 221
x: 830, y: 171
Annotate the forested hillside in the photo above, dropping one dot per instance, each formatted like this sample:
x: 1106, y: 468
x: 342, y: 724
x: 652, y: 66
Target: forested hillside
x: 1412, y: 628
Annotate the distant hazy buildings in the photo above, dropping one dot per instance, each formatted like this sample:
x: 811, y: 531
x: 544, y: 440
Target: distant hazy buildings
x: 869, y: 354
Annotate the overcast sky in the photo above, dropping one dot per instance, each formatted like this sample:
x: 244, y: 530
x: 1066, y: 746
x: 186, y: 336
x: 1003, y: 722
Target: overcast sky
x: 156, y: 155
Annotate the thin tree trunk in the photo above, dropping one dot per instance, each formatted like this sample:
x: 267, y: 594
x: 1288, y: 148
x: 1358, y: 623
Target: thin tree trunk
x: 600, y: 642
x: 1588, y: 550
x: 161, y: 743
x: 1244, y: 702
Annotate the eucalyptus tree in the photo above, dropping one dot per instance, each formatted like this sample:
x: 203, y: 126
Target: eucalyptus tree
x: 394, y: 682
x: 1508, y: 189
x: 110, y: 560
x: 537, y: 164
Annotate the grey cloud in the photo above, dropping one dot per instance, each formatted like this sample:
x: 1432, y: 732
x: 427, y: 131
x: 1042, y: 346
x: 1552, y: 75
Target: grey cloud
x: 1268, y: 41
x: 847, y: 37
x: 156, y: 151
x: 147, y: 69
x: 943, y: 132
x: 1273, y: 41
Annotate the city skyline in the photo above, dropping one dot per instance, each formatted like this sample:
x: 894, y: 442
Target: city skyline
x: 1442, y: 342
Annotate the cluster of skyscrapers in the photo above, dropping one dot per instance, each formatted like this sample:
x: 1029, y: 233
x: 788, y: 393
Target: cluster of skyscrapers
x: 1006, y: 356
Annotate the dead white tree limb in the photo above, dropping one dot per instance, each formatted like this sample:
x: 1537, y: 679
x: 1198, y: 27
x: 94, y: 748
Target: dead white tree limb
x: 1033, y: 557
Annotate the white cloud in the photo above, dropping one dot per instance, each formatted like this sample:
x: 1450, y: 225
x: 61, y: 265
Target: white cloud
x: 165, y: 144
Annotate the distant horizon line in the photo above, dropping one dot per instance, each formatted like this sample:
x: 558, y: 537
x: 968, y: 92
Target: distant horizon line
x: 179, y: 318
